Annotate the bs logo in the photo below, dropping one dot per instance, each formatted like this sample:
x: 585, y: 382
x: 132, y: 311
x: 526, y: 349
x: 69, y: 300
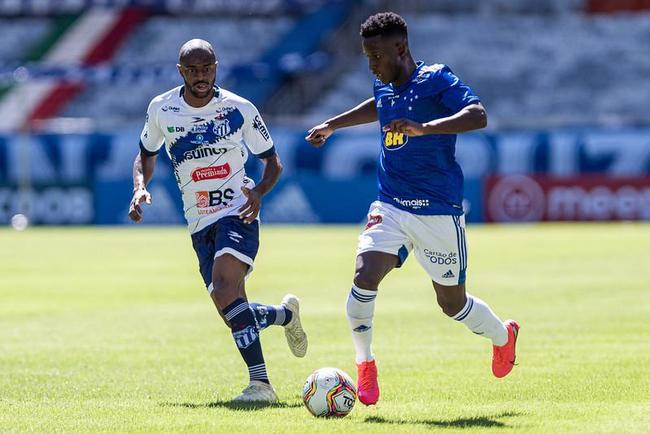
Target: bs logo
x: 394, y: 140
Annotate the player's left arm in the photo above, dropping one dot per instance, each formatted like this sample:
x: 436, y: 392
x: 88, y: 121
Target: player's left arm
x: 470, y: 117
x: 258, y: 139
x: 272, y: 170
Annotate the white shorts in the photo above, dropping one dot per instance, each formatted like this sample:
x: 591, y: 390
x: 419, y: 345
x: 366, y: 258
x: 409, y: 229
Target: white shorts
x: 437, y: 240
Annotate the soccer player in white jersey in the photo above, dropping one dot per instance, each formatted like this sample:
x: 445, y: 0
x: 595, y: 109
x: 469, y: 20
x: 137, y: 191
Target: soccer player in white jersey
x: 420, y: 109
x: 206, y: 132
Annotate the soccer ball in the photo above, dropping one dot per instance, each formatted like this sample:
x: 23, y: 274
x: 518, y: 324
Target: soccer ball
x: 329, y: 392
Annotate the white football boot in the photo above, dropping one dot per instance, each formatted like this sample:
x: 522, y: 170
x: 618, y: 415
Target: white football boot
x: 296, y: 336
x: 257, y: 391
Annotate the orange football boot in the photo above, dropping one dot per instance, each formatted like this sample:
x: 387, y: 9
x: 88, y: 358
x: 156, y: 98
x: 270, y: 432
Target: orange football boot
x: 503, y: 358
x: 367, y: 388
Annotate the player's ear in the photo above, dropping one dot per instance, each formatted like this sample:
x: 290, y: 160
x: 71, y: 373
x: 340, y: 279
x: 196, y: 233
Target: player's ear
x: 180, y: 70
x: 401, y: 46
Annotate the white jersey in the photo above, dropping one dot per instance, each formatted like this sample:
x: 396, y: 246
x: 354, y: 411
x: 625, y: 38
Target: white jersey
x: 206, y: 147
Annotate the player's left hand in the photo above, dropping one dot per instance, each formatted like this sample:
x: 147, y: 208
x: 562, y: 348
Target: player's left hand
x: 405, y: 126
x: 249, y: 211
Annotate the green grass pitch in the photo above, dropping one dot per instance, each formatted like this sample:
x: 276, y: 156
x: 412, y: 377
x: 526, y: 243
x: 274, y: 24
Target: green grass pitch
x: 109, y: 329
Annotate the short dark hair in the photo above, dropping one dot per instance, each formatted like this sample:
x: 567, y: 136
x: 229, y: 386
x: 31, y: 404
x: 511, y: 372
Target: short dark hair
x: 383, y: 24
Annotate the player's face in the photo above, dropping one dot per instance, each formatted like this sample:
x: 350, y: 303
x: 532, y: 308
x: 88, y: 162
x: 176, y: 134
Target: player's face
x: 199, y: 73
x: 383, y: 57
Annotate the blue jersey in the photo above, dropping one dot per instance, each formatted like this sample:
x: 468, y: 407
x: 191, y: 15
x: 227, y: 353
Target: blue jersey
x: 420, y: 174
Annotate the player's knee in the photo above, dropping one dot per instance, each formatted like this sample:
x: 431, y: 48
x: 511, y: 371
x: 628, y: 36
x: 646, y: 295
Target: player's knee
x: 225, y: 290
x: 367, y: 279
x: 451, y: 305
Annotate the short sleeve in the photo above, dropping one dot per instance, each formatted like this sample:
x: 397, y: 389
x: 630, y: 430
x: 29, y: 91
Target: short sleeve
x: 256, y: 134
x: 453, y: 93
x: 151, y: 138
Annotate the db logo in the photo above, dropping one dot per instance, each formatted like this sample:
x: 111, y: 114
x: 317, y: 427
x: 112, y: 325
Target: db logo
x: 393, y: 141
x: 373, y: 220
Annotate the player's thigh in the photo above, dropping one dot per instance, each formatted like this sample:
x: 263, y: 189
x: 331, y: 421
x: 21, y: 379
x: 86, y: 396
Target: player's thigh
x: 235, y: 245
x: 440, y: 247
x: 382, y: 246
x: 203, y: 244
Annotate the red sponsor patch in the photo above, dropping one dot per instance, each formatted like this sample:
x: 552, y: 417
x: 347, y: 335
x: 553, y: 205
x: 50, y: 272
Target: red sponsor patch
x: 202, y: 199
x: 214, y: 172
x: 373, y: 220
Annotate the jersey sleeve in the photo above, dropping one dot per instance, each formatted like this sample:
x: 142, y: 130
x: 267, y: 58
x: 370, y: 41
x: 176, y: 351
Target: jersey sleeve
x: 151, y: 138
x: 453, y: 93
x: 255, y: 134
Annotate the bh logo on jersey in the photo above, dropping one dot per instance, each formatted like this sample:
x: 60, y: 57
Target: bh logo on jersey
x: 393, y: 140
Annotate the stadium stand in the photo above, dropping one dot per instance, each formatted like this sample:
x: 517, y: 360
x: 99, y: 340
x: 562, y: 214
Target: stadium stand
x: 530, y: 70
x: 156, y: 44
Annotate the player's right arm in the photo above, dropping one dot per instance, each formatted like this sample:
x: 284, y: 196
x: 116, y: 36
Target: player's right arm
x: 364, y: 113
x: 151, y: 140
x: 142, y: 172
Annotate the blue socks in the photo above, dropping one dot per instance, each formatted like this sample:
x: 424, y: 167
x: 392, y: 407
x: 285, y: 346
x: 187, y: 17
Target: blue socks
x: 245, y: 332
x: 267, y: 315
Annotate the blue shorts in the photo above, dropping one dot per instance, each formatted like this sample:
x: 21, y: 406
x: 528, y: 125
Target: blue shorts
x: 227, y: 235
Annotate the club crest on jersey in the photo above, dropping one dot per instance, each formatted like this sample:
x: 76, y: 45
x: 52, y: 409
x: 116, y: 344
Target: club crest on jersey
x: 393, y: 140
x: 221, y: 128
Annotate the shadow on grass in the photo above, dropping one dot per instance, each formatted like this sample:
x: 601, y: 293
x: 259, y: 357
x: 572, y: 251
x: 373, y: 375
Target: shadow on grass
x: 242, y: 406
x: 463, y: 422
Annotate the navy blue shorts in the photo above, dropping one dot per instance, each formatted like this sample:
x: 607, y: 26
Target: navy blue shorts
x: 227, y: 235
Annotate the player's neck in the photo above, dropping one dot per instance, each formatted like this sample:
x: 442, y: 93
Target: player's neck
x: 405, y: 72
x: 195, y: 102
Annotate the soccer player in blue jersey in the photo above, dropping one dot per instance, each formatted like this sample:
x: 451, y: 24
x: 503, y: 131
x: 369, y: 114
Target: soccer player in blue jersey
x: 207, y: 133
x: 420, y: 109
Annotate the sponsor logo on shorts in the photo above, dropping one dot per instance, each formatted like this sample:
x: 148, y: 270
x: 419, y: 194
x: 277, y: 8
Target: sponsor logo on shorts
x: 175, y: 129
x: 235, y: 236
x: 448, y: 275
x: 213, y: 172
x: 412, y: 203
x: 374, y: 219
x: 441, y: 258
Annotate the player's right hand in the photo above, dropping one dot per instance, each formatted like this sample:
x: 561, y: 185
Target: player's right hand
x: 319, y: 134
x: 135, y: 211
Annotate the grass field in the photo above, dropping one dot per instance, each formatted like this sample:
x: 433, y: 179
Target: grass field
x: 111, y: 330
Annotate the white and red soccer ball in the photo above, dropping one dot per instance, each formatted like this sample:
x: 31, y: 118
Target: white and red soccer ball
x: 329, y: 392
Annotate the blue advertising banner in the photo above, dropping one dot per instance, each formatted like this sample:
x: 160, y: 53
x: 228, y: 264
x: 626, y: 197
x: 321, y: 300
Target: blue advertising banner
x: 86, y: 178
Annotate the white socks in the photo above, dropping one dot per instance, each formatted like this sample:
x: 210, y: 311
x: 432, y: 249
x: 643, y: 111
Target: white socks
x: 479, y: 318
x: 360, y: 310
